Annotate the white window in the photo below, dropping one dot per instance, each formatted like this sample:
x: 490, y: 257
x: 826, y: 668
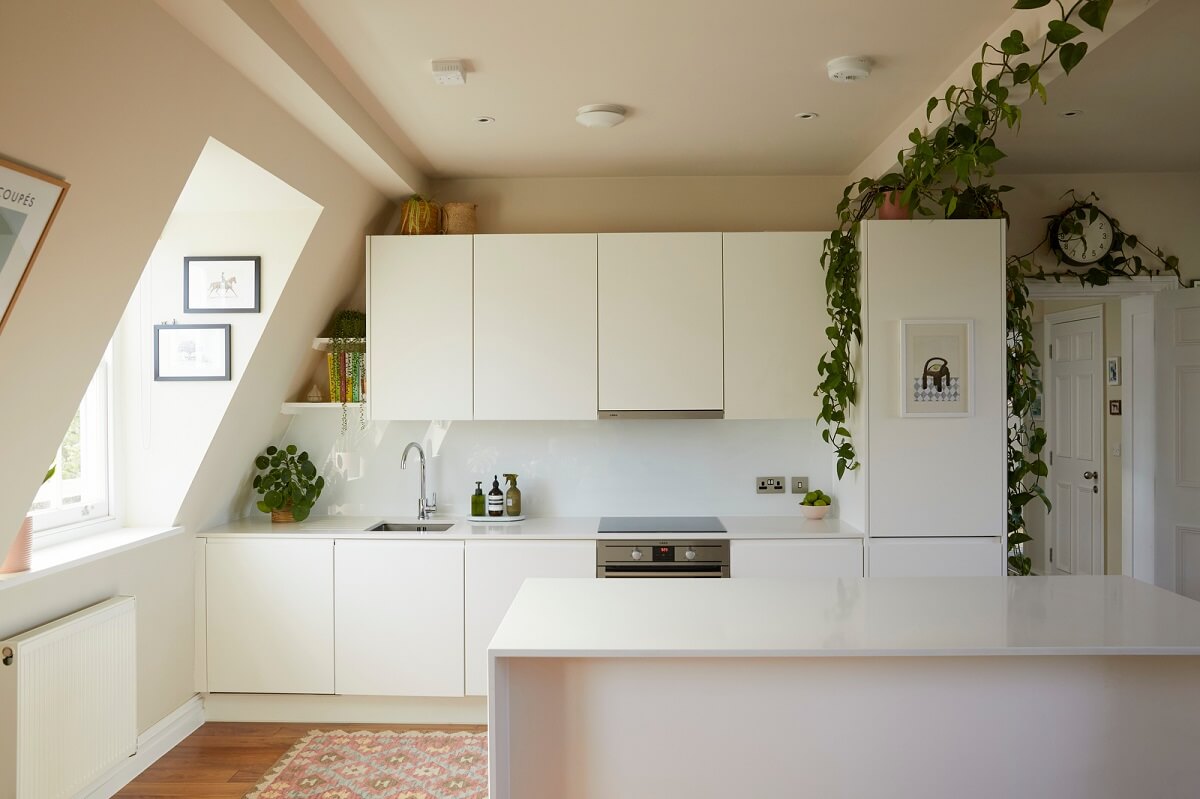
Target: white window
x: 80, y: 490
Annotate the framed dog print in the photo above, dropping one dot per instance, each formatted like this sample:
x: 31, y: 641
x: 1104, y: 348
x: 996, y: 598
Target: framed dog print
x: 29, y: 201
x: 222, y: 284
x: 192, y: 352
x: 937, y: 359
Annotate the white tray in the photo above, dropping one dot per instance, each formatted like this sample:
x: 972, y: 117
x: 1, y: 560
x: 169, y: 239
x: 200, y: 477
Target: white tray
x: 495, y: 519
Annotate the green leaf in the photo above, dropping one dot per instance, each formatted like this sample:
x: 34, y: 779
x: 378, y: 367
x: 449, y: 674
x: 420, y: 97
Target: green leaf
x: 977, y: 73
x: 1095, y: 12
x: 264, y: 507
x: 300, y: 513
x: 273, y: 499
x: 1039, y: 468
x: 1069, y: 55
x: 1061, y: 32
x: 989, y: 154
x: 291, y: 449
x: 1027, y: 4
x: 272, y: 450
x: 1014, y: 44
x: 930, y: 106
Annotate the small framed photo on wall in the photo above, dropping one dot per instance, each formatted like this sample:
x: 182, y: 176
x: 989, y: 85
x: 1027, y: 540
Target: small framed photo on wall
x: 1112, y: 370
x: 222, y: 284
x: 937, y: 368
x: 192, y: 352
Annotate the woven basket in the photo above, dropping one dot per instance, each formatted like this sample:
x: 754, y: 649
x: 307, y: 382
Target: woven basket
x: 419, y: 217
x: 458, y: 218
x: 282, y: 516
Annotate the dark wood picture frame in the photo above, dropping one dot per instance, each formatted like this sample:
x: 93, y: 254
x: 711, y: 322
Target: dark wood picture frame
x: 227, y: 354
x: 20, y: 200
x: 190, y: 304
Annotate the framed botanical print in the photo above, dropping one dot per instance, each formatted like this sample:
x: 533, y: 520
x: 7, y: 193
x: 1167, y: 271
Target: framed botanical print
x: 29, y: 202
x: 937, y: 359
x: 222, y: 284
x: 192, y: 352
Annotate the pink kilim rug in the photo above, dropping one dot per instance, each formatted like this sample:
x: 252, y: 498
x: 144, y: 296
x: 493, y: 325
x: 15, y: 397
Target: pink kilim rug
x: 380, y: 765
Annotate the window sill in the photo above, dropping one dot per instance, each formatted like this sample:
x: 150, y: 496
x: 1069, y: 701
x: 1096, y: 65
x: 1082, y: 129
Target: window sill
x: 55, y: 558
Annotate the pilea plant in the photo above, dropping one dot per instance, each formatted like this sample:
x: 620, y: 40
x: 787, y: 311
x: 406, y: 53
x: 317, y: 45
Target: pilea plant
x: 941, y: 170
x: 287, y: 482
x: 347, y: 342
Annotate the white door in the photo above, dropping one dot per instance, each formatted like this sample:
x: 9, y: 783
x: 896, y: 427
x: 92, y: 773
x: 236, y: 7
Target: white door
x: 535, y: 326
x: 419, y: 352
x: 1074, y: 388
x: 1177, y: 511
x: 495, y: 571
x: 399, y: 617
x: 660, y: 336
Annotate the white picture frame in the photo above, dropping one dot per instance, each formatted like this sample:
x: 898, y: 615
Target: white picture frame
x: 937, y: 368
x: 1112, y: 370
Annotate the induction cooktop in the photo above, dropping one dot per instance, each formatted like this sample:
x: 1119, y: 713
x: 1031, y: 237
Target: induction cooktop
x: 654, y: 525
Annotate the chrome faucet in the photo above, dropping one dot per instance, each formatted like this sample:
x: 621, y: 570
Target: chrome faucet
x: 425, y: 508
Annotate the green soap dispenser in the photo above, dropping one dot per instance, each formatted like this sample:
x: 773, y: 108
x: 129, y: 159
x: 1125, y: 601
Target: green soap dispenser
x: 512, y: 499
x: 495, y: 498
x: 478, y: 500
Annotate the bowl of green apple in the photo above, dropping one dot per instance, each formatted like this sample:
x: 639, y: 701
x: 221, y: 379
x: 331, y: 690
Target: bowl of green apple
x: 815, y: 504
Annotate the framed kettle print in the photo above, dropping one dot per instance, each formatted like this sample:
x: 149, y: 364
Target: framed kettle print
x: 938, y: 369
x: 29, y: 202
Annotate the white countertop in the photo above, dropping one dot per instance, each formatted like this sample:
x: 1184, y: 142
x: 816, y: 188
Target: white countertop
x: 550, y: 528
x: 849, y: 617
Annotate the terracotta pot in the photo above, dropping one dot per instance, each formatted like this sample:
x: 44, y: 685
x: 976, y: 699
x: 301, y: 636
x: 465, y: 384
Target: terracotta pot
x: 20, y: 552
x: 282, y: 516
x: 892, y: 209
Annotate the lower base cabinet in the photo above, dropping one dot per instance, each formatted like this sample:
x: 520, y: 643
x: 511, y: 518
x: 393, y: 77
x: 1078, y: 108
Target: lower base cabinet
x: 795, y: 559
x: 937, y: 557
x: 495, y: 571
x: 399, y: 617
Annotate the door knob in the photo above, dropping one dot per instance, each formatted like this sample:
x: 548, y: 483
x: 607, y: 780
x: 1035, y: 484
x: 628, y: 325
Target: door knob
x: 1091, y: 475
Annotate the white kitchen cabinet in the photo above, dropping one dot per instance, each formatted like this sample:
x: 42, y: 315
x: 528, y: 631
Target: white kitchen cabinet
x: 796, y: 558
x: 775, y: 322
x: 535, y: 326
x: 494, y: 573
x: 660, y: 321
x: 936, y: 557
x: 419, y: 352
x: 399, y: 617
x: 270, y: 616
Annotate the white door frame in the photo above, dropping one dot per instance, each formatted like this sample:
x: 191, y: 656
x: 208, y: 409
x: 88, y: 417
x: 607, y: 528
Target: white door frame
x: 1138, y: 437
x: 1048, y: 321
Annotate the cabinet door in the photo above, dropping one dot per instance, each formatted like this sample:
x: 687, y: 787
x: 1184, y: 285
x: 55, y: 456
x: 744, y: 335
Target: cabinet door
x: 937, y: 557
x: 535, y: 327
x: 792, y: 558
x: 660, y: 321
x: 399, y: 617
x: 495, y: 571
x: 775, y: 324
x: 419, y: 327
x: 270, y: 616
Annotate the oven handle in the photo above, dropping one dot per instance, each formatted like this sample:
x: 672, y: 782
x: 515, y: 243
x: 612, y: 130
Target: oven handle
x: 627, y: 573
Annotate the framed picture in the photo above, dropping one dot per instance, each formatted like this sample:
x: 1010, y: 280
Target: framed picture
x: 29, y: 201
x: 222, y: 284
x: 1114, y: 407
x: 937, y: 358
x: 1035, y: 408
x: 192, y: 352
x: 1112, y: 370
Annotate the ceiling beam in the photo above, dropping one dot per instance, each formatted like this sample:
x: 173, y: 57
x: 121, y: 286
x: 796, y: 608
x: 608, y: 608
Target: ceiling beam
x: 1033, y: 24
x: 259, y: 42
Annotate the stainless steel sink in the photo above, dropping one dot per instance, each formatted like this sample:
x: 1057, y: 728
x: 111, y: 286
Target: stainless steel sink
x: 423, y: 527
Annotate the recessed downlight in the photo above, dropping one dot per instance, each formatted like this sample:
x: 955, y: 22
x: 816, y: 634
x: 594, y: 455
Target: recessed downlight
x: 807, y: 115
x: 1074, y: 112
x: 485, y: 120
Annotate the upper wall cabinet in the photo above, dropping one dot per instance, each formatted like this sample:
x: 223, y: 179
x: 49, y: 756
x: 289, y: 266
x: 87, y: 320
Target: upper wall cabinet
x: 774, y: 324
x: 535, y: 327
x: 419, y: 299
x: 660, y: 315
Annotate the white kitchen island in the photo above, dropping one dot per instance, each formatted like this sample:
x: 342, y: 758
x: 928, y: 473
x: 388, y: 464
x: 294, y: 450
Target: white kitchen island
x: 946, y: 687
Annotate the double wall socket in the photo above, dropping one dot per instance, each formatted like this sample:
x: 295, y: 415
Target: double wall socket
x: 769, y: 485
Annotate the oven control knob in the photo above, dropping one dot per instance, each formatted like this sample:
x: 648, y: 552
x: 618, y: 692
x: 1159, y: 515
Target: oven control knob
x: 636, y: 554
x: 690, y: 554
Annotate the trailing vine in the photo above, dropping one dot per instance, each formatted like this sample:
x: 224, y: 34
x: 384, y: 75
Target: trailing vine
x: 348, y: 336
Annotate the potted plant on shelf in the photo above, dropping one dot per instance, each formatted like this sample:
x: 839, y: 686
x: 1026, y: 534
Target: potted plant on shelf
x: 420, y: 216
x: 21, y: 550
x: 347, y: 363
x: 288, y: 484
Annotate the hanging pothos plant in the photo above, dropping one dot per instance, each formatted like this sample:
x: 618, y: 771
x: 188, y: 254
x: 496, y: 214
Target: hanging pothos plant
x: 347, y: 363
x: 945, y: 172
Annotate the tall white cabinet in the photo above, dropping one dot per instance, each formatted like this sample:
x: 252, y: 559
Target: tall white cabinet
x: 419, y: 353
x: 535, y: 327
x: 660, y: 322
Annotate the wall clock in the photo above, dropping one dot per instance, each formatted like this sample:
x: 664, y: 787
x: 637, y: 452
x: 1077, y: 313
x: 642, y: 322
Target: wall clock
x: 1082, y: 235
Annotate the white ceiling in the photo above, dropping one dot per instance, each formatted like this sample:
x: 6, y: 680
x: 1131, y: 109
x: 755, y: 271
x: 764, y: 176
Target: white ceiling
x: 1140, y: 97
x: 712, y: 86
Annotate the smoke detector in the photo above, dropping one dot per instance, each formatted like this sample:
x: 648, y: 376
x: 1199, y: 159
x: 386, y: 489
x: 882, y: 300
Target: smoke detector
x: 849, y: 69
x: 449, y: 72
x: 600, y: 116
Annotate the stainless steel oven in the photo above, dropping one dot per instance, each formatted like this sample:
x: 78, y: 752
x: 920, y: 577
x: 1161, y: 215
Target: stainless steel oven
x: 667, y: 558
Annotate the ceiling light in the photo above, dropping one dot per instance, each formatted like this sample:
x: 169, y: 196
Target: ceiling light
x: 485, y: 120
x: 449, y: 72
x: 600, y: 116
x: 1072, y: 113
x: 848, y: 69
x: 807, y: 115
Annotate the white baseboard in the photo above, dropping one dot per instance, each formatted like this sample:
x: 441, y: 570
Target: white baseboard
x: 152, y: 744
x: 322, y: 709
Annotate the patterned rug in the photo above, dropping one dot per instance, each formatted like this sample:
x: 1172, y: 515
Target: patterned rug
x: 379, y: 765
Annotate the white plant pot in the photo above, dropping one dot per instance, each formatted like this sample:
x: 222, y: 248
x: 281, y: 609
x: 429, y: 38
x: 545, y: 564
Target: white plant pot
x: 21, y: 551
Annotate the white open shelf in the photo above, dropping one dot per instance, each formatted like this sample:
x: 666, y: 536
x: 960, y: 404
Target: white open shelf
x: 293, y: 408
x: 323, y: 345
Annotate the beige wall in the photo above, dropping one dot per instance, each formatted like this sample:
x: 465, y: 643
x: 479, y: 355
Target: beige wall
x: 120, y: 100
x: 633, y: 205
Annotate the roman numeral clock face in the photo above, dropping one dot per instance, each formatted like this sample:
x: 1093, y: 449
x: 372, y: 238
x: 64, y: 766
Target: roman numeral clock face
x: 1083, y: 235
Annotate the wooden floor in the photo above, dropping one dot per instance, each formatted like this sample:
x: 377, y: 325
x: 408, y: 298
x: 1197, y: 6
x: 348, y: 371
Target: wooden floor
x: 222, y: 760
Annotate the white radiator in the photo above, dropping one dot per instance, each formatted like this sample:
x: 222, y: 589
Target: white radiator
x: 68, y: 701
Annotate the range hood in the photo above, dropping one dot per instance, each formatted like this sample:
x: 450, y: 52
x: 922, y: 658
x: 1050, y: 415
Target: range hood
x: 675, y: 414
